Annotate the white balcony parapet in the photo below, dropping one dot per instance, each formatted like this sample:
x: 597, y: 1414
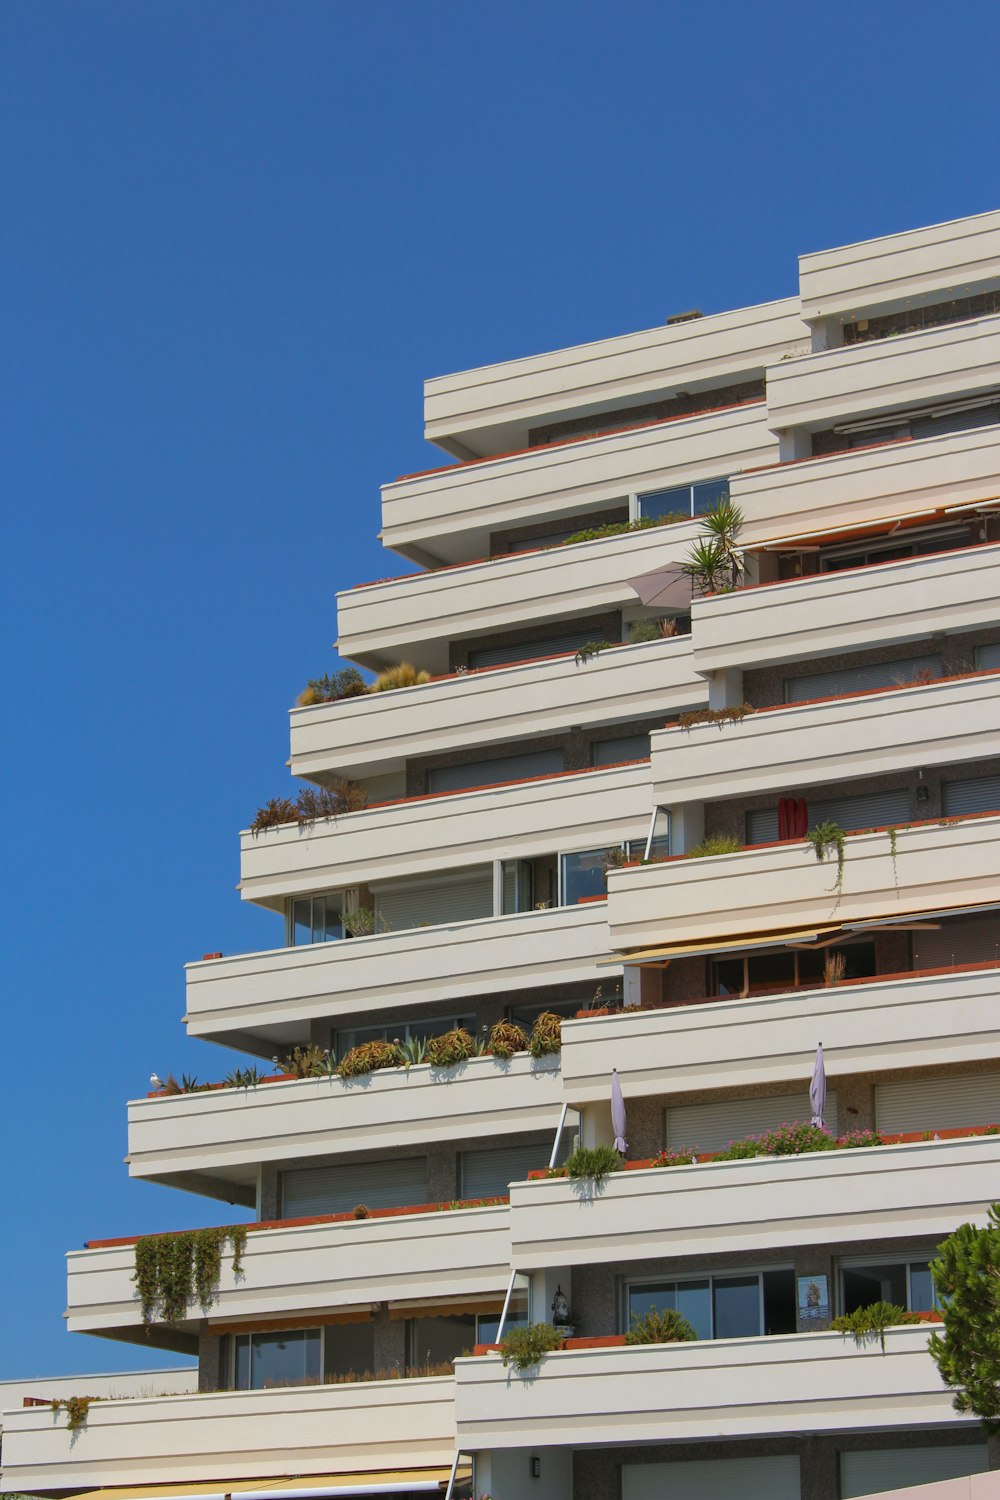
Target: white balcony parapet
x: 448, y: 514
x: 415, y: 836
x: 911, y: 478
x: 376, y: 732
x: 661, y: 1393
x: 935, y: 365
x: 936, y: 263
x: 261, y: 994
x: 783, y: 886
x: 296, y: 1270
x: 249, y: 1435
x: 833, y: 739
x: 830, y: 613
x: 217, y: 1130
x: 493, y: 407
x: 914, y: 1021
x: 767, y: 1203
x: 417, y: 615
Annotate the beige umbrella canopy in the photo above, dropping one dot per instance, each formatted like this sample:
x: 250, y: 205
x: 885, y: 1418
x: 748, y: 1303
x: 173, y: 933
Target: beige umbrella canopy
x: 664, y: 588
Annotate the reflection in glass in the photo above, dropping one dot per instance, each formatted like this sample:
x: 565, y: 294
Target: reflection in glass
x: 267, y: 1360
x: 736, y: 1302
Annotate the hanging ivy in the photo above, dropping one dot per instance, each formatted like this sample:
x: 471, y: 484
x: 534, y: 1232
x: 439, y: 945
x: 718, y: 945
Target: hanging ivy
x: 76, y: 1408
x: 172, y: 1270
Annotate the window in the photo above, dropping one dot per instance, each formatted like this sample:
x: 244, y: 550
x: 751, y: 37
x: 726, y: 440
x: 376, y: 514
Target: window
x: 263, y: 1361
x: 419, y: 901
x: 518, y: 1313
x: 906, y: 1283
x: 489, y: 1171
x: 585, y: 873
x: 836, y: 559
x: 721, y: 1307
x: 496, y: 771
x: 388, y: 1183
x: 438, y: 1341
x: 778, y: 969
x: 315, y: 919
x: 686, y: 499
x: 973, y: 794
x: 868, y: 810
x: 886, y: 674
x: 622, y: 747
x: 404, y: 1031
x: 518, y: 881
x: 348, y: 1349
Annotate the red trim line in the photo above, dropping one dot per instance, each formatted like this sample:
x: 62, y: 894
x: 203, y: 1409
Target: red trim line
x: 806, y: 578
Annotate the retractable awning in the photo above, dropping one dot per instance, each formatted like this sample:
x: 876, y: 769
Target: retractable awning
x: 426, y: 1481
x: 875, y: 525
x: 701, y: 946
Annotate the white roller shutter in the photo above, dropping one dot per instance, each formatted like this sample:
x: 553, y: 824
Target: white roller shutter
x: 868, y: 810
x: 975, y: 794
x: 988, y: 657
x: 963, y: 940
x: 860, y: 679
x: 883, y: 1469
x: 458, y: 897
x: 938, y: 1103
x: 623, y: 747
x: 306, y: 1191
x: 495, y: 771
x: 710, y: 1127
x: 771, y: 1478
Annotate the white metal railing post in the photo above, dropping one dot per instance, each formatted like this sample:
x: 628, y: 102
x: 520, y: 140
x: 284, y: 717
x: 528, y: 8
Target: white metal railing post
x: 506, y: 1305
x: 449, y: 1492
x: 559, y: 1131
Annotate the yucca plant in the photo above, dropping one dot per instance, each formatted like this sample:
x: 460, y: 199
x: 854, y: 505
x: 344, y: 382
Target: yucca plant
x: 414, y: 1050
x: 714, y: 561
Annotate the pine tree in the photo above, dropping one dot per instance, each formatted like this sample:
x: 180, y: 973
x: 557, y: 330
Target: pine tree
x: 967, y: 1278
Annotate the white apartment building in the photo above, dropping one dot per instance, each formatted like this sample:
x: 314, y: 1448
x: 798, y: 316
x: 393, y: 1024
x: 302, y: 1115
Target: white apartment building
x: 857, y: 426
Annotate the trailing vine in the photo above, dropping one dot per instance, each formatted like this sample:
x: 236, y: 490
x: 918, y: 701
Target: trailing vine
x: 826, y: 838
x: 719, y: 716
x: 892, y: 853
x: 76, y: 1408
x: 172, y: 1270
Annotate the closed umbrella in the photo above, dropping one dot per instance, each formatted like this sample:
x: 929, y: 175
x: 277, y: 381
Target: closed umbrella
x: 817, y: 1088
x: 618, y: 1113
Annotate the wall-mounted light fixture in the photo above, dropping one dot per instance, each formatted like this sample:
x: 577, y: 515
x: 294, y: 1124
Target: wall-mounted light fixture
x: 536, y: 1466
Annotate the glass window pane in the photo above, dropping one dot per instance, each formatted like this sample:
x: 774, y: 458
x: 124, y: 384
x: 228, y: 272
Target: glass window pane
x: 641, y: 1299
x: 923, y: 1297
x: 349, y: 1350
x: 280, y: 1359
x: 302, y: 921
x: 665, y: 503
x: 437, y: 1341
x: 771, y: 971
x: 517, y: 1314
x: 242, y: 1372
x: 694, y: 1302
x: 779, y: 1302
x: 729, y: 976
x: 864, y: 1285
x: 584, y: 875
x: 736, y: 1302
x: 326, y: 915
x: 709, y: 493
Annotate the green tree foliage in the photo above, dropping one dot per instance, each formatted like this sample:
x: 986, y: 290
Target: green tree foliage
x: 967, y: 1354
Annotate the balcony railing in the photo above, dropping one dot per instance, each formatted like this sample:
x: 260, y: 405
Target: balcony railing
x: 813, y: 1382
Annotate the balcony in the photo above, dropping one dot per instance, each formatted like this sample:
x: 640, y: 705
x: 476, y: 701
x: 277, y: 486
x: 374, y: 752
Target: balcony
x: 417, y: 835
x: 833, y: 739
x: 764, y: 1204
x: 870, y: 1026
x: 897, y: 270
x: 868, y: 484
x: 813, y: 1382
x: 296, y: 1271
x: 447, y: 515
x: 376, y: 733
x: 219, y: 1136
x: 327, y: 1430
x: 270, y: 998
x: 956, y: 361
x: 493, y: 408
x: 783, y: 886
x: 859, y: 609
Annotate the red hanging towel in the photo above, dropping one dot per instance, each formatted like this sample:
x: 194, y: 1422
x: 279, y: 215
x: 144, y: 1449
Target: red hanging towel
x: 793, y: 818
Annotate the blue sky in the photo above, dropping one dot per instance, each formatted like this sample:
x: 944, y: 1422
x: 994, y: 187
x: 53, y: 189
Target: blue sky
x: 237, y: 236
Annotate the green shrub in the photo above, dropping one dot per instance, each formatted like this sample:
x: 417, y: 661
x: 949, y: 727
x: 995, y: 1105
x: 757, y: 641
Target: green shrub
x: 453, y: 1047
x: 859, y: 1139
x: 506, y: 1039
x: 593, y: 1162
x: 740, y: 1150
x: 369, y: 1057
x: 620, y: 528
x: 866, y: 1324
x: 524, y: 1347
x: 656, y: 1327
x: 347, y: 683
x: 546, y: 1035
x: 644, y: 630
x: 796, y: 1138
x: 719, y: 843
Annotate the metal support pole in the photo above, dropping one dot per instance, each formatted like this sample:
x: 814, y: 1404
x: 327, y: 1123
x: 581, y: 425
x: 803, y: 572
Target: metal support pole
x: 559, y: 1131
x: 506, y: 1306
x: 449, y: 1492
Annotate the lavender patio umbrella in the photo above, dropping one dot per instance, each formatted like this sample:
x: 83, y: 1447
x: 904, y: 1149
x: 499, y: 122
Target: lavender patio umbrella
x: 618, y: 1113
x: 817, y: 1088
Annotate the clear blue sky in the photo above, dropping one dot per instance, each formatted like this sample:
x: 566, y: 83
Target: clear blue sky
x: 236, y: 237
